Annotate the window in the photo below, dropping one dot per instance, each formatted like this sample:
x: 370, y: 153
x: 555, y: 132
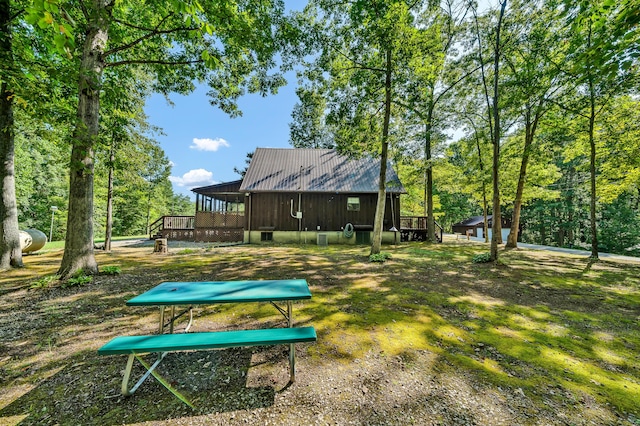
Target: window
x: 353, y: 204
x: 266, y: 236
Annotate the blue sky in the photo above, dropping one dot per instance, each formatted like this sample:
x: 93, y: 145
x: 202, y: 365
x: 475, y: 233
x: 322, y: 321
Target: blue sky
x: 204, y: 144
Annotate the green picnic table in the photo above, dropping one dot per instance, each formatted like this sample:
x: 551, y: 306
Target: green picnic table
x: 172, y: 294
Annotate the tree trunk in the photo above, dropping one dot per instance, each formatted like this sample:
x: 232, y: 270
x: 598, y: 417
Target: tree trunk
x: 496, y: 237
x: 10, y: 250
x: 485, y: 223
x: 592, y: 155
x: 78, y: 252
x: 485, y: 203
x: 571, y: 230
x: 109, y: 226
x: 530, y: 128
x: 592, y: 169
x: 485, y: 215
x: 379, y: 218
x: 431, y: 229
x: 149, y: 193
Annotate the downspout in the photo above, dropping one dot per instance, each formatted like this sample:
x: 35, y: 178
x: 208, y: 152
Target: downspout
x: 298, y: 215
x: 299, y: 211
x: 248, y: 195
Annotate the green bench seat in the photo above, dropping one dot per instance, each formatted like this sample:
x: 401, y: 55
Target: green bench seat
x: 206, y: 340
x: 134, y: 345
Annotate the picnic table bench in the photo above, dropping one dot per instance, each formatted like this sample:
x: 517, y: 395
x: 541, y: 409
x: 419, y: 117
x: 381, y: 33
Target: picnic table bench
x: 173, y: 293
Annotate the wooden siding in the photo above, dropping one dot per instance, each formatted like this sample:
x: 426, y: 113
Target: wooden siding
x: 272, y: 211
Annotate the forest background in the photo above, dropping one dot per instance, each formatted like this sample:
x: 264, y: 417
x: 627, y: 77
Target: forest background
x: 545, y: 92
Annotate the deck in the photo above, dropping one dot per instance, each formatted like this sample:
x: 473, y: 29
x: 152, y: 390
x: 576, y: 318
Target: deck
x: 208, y: 226
x: 203, y: 227
x: 414, y: 228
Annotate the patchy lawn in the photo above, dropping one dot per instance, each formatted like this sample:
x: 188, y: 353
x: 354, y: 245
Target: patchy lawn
x: 427, y: 337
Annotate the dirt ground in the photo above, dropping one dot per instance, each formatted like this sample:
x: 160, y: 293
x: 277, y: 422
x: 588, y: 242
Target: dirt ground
x: 428, y: 338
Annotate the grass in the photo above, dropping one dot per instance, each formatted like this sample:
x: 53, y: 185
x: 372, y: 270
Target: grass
x: 560, y: 330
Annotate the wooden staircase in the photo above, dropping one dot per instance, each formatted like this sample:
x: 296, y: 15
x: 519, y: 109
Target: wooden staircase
x: 164, y: 225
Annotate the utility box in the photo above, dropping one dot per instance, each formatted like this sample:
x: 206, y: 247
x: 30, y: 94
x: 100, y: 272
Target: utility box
x: 323, y: 240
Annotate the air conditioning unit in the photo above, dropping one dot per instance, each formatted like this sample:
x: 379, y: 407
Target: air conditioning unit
x: 323, y: 240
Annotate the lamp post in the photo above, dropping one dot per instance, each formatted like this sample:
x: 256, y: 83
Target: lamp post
x: 53, y: 212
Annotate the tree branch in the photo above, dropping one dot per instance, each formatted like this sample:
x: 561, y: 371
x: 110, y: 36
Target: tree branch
x: 441, y: 94
x: 360, y: 67
x: 151, y: 62
x: 85, y: 12
x: 15, y: 15
x: 151, y: 33
x: 354, y: 61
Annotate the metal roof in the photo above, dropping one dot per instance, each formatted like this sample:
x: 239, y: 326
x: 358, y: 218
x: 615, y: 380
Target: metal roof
x: 473, y: 221
x: 220, y: 188
x: 314, y: 170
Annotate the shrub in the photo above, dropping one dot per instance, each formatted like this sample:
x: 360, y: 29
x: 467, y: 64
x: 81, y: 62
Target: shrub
x: 45, y: 281
x: 379, y: 257
x: 111, y: 270
x: 79, y: 279
x: 482, y: 258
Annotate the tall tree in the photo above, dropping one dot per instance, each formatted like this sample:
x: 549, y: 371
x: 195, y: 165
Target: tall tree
x: 493, y: 106
x: 156, y: 171
x: 361, y: 46
x: 432, y: 74
x: 231, y: 45
x: 10, y: 250
x: 122, y: 127
x: 533, y: 83
x: 602, y: 65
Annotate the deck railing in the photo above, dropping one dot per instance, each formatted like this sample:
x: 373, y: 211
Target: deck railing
x: 170, y: 223
x: 416, y: 226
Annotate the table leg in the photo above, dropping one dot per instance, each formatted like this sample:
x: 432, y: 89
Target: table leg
x: 127, y: 374
x: 292, y: 347
x: 173, y: 318
x: 161, y: 329
x: 292, y: 363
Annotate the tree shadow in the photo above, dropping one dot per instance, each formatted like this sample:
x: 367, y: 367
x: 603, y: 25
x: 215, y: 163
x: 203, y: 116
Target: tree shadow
x: 590, y: 262
x: 87, y: 390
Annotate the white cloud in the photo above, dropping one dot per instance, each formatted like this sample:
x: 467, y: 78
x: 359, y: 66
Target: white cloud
x: 209, y: 144
x: 194, y: 178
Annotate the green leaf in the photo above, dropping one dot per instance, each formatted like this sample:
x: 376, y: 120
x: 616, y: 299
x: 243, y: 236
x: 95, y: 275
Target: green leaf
x: 59, y: 40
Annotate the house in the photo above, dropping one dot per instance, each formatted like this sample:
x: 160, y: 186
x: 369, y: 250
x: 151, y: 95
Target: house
x: 292, y: 195
x: 302, y: 195
x: 474, y: 226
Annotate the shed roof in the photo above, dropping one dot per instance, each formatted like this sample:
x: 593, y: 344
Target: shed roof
x: 474, y: 221
x: 220, y: 188
x: 314, y: 170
